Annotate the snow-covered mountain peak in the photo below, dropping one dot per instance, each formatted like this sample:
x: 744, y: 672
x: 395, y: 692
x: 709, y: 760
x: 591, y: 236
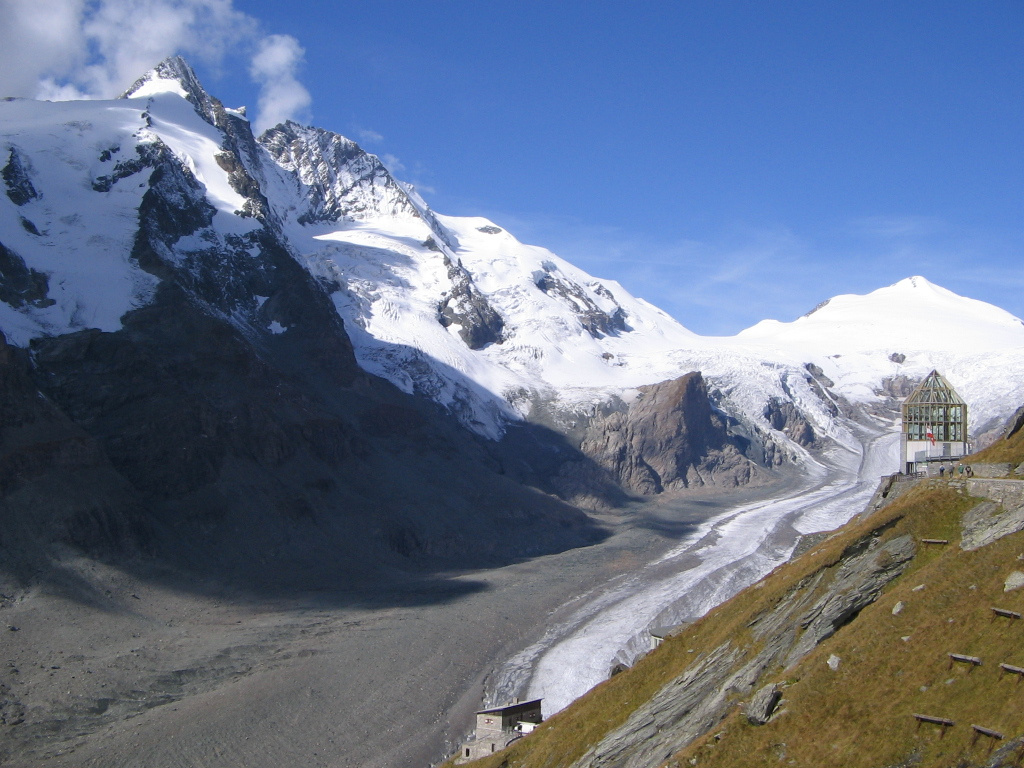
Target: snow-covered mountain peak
x: 174, y: 75
x: 453, y: 308
x: 910, y: 314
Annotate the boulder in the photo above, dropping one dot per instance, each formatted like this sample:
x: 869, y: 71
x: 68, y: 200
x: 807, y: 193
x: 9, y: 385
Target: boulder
x: 763, y: 703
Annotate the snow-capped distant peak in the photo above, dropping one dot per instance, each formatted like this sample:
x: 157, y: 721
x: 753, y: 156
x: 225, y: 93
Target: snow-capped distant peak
x: 912, y: 313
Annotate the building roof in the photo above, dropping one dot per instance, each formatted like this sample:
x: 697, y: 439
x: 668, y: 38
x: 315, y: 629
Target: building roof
x: 934, y: 390
x: 511, y: 709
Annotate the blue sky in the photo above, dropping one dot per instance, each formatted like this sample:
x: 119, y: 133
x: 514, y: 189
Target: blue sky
x: 727, y: 161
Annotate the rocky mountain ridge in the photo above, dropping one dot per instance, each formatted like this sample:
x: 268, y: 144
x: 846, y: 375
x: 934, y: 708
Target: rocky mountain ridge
x: 309, y: 258
x: 198, y: 356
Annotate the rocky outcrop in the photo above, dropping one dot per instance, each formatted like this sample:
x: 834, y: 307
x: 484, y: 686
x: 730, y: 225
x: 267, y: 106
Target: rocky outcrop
x: 784, y: 416
x: 595, y: 321
x: 856, y: 584
x: 466, y: 307
x: 898, y: 387
x: 991, y: 520
x: 239, y: 155
x: 1013, y: 426
x: 699, y: 698
x: 16, y: 178
x: 56, y: 484
x: 336, y: 179
x: 19, y: 284
x: 680, y: 712
x: 146, y: 156
x: 668, y: 439
x: 177, y: 69
x: 822, y: 385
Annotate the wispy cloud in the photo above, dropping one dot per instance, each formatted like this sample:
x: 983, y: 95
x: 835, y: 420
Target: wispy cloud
x: 896, y: 226
x: 368, y: 136
x: 275, y: 67
x: 60, y: 49
x: 392, y: 163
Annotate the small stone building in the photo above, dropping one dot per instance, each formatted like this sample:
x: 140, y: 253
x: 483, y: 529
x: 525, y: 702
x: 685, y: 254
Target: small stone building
x: 934, y: 425
x: 498, y: 727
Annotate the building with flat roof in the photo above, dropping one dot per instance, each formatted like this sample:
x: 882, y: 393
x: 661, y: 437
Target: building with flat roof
x: 498, y: 727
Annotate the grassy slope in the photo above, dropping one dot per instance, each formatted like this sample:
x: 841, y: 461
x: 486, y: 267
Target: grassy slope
x: 859, y: 715
x: 1004, y: 450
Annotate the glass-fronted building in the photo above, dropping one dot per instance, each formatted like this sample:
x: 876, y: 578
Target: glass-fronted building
x: 934, y: 424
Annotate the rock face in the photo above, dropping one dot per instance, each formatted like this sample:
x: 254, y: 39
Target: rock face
x: 785, y: 417
x: 857, y: 583
x: 16, y: 179
x: 594, y: 320
x: 56, y: 484
x: 668, y: 439
x: 21, y: 285
x: 335, y: 178
x: 701, y: 696
x: 1013, y: 426
x: 464, y: 306
x: 991, y: 520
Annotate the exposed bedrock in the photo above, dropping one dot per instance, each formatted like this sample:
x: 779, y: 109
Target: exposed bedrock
x: 56, y: 483
x: 337, y: 179
x: 594, y: 320
x: 668, y: 438
x: 702, y: 696
x: 786, y: 417
x: 17, y: 179
x: 466, y: 307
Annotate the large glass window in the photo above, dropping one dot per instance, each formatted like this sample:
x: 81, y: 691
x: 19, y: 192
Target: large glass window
x: 934, y: 407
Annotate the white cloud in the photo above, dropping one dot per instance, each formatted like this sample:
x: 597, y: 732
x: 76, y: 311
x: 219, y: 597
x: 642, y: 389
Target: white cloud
x: 59, y: 49
x: 274, y: 67
x: 392, y: 163
x: 39, y: 39
x: 133, y: 35
x: 369, y: 136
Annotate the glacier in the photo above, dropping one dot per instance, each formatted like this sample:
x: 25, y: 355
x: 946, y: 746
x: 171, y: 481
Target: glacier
x: 495, y: 331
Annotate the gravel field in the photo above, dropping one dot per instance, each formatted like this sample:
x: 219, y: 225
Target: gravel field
x: 101, y: 668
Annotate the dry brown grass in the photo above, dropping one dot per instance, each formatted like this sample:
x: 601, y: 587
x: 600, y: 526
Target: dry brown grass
x: 1003, y: 450
x: 861, y: 714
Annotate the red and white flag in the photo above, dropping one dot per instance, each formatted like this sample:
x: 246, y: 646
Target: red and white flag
x: 931, y: 436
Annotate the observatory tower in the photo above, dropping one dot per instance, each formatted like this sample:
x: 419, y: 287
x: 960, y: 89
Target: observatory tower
x: 934, y: 424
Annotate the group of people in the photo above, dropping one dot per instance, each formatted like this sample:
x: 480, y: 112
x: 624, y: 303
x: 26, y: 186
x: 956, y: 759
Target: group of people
x: 964, y: 470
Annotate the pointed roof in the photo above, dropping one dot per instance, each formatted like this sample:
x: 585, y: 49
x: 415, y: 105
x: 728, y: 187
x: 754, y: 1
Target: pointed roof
x: 934, y: 389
